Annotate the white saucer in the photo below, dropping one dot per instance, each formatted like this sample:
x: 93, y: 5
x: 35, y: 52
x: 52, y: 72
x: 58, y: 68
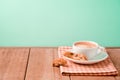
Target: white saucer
x: 100, y: 57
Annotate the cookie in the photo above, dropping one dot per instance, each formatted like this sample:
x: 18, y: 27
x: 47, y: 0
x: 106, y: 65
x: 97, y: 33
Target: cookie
x: 79, y: 57
x: 68, y: 54
x: 59, y: 62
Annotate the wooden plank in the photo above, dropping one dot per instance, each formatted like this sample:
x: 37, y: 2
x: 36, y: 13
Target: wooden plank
x: 57, y: 74
x: 92, y: 78
x: 115, y: 56
x: 117, y: 77
x: 40, y: 64
x: 13, y: 63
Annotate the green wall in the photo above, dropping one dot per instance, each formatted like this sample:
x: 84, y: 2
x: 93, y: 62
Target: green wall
x: 59, y: 22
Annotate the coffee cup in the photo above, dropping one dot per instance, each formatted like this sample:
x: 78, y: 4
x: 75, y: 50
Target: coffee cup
x: 89, y: 48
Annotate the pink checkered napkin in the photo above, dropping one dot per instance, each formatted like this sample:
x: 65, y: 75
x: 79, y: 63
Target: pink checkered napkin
x: 105, y: 67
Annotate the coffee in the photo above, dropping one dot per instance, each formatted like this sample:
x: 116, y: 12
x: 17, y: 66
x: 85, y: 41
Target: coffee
x: 85, y: 45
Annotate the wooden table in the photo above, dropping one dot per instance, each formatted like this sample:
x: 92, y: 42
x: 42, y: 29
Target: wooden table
x: 36, y: 64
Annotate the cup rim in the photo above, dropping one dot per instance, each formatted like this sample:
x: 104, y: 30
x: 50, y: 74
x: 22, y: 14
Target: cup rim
x: 86, y: 41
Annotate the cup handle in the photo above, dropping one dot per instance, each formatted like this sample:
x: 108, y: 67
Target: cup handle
x: 101, y: 49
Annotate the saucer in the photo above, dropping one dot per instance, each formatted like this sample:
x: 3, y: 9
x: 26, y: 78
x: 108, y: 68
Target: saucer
x: 98, y: 58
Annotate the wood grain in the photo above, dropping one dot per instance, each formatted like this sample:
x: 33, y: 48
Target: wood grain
x: 92, y: 78
x: 36, y: 64
x: 57, y: 74
x: 13, y: 63
x: 115, y: 56
x: 117, y: 77
x: 40, y: 64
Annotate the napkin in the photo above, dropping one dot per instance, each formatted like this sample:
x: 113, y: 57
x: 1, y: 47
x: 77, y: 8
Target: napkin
x: 105, y: 67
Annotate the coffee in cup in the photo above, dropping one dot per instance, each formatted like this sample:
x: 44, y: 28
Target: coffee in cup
x: 85, y: 44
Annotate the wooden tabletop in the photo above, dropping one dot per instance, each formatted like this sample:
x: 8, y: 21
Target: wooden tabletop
x: 36, y: 64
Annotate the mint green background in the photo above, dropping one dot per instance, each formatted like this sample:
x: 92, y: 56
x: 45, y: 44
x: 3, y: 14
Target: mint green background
x: 59, y: 22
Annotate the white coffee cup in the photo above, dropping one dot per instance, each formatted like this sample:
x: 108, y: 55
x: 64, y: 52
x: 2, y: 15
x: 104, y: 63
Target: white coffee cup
x: 89, y: 48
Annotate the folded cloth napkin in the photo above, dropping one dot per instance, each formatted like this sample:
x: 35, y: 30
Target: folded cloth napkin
x: 105, y: 67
